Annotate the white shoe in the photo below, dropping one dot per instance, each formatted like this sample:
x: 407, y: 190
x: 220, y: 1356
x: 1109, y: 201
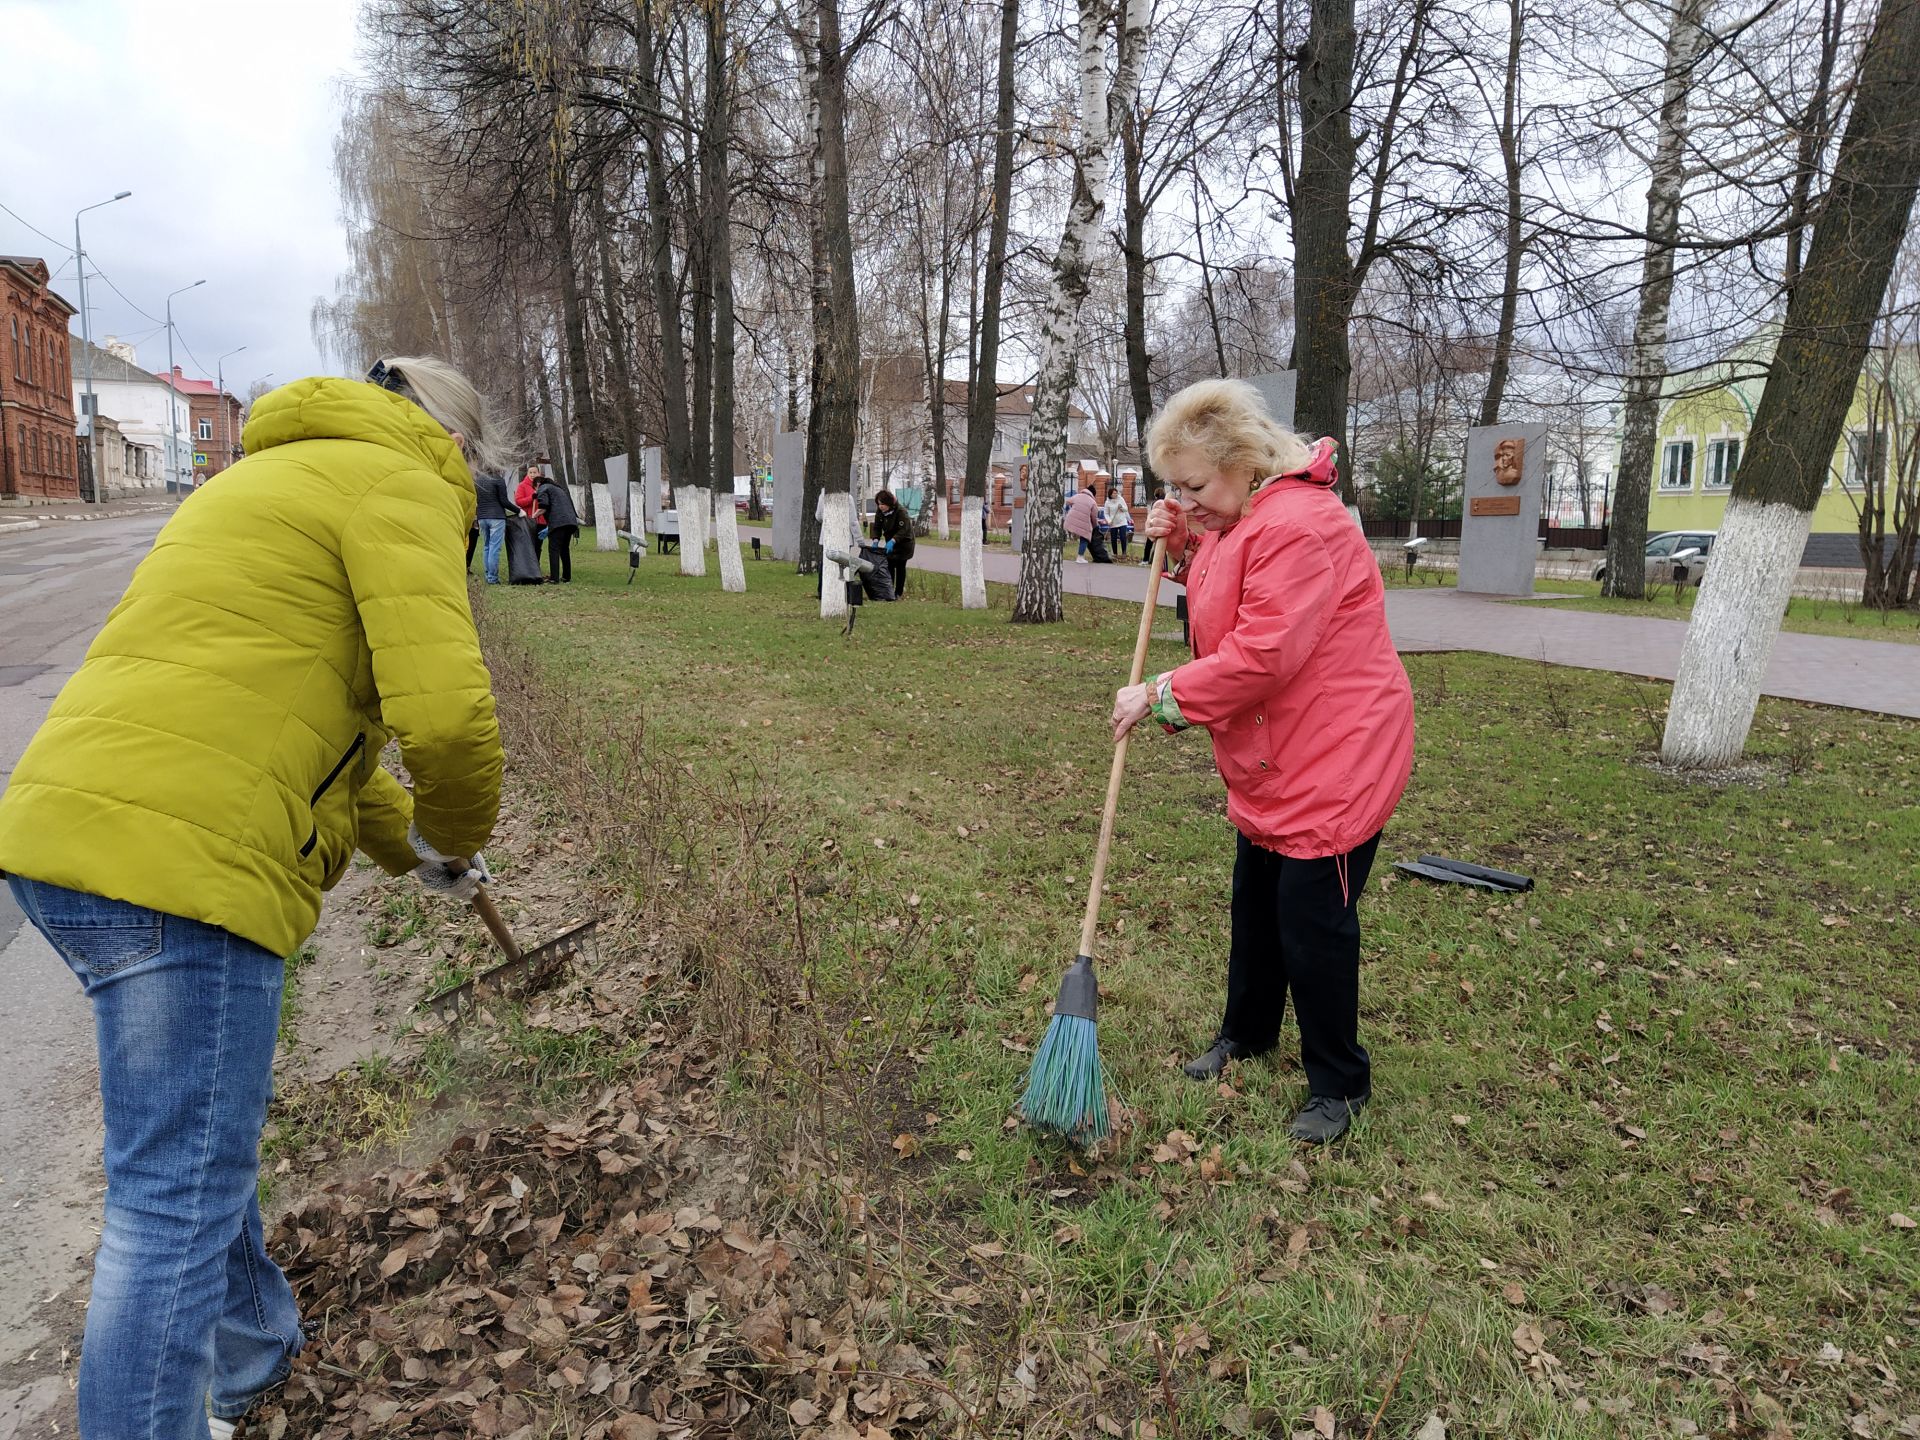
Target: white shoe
x: 1081, y: 560
x: 219, y: 1429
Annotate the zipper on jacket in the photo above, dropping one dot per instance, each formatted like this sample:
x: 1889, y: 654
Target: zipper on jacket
x: 359, y: 744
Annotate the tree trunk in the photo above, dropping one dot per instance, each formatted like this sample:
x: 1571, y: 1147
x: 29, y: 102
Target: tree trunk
x: 1812, y: 140
x: 836, y: 400
x: 575, y: 312
x: 1133, y: 252
x: 1647, y: 370
x: 694, y: 504
x: 676, y: 453
x: 984, y: 396
x: 1810, y: 388
x: 1101, y: 106
x: 550, y: 421
x: 1323, y: 278
x: 618, y: 361
x: 1510, y: 161
x: 1206, y: 282
x: 719, y: 207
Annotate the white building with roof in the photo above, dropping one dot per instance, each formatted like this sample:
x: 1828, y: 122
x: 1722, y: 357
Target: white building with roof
x: 138, y: 401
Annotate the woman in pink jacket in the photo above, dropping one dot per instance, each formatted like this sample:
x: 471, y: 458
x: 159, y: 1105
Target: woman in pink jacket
x: 1311, y: 715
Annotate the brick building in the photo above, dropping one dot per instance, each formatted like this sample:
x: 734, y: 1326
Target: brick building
x: 39, y: 457
x: 213, y: 425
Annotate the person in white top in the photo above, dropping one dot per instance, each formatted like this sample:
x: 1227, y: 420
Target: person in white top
x: 1119, y: 519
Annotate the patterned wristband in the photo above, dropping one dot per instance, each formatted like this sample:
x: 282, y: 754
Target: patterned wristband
x: 1162, y: 705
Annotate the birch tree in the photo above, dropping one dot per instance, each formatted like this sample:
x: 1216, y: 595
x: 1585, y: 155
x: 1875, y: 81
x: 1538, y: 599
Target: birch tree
x: 983, y: 391
x: 1810, y: 388
x: 1103, y: 104
x: 1647, y: 365
x: 719, y: 218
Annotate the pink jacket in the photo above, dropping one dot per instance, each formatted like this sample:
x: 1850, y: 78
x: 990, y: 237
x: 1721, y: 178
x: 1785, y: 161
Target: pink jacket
x: 1080, y: 514
x: 1296, y: 676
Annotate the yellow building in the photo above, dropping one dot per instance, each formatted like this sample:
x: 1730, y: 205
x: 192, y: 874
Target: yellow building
x: 1706, y: 416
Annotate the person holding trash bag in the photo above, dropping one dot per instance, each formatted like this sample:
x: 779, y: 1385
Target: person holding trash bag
x: 893, y: 528
x: 1311, y: 715
x: 523, y: 496
x: 563, y: 524
x: 1084, y: 523
x: 199, y: 782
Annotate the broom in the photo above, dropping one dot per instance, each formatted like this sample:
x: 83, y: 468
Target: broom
x: 1066, y: 1094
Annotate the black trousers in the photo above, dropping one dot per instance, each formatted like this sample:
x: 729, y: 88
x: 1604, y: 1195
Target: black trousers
x: 897, y: 563
x: 1296, y: 929
x: 560, y: 553
x: 473, y: 538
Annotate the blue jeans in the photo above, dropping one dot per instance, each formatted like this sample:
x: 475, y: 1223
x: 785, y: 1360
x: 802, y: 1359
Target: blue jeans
x: 494, y: 532
x: 186, y: 1306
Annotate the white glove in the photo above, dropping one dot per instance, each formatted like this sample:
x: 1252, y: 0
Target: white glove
x: 440, y: 873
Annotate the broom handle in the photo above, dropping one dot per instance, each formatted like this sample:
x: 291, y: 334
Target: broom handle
x: 1156, y: 568
x: 490, y: 913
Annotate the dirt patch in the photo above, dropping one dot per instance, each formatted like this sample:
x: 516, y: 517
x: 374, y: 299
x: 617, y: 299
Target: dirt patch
x: 348, y: 999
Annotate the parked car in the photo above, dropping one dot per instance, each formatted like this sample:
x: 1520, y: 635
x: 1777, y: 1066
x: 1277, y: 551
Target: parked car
x: 1661, y: 549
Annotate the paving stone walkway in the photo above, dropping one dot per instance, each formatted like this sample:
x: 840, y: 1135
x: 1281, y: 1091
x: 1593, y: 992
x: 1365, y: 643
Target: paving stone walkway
x: 1877, y: 675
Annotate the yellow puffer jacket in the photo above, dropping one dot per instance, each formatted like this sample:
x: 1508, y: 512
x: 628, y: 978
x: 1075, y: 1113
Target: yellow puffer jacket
x: 216, y: 754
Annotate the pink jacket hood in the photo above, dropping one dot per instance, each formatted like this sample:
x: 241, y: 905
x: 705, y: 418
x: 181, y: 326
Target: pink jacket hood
x: 1295, y: 674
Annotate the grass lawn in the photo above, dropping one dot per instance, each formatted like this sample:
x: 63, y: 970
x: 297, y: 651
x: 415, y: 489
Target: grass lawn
x: 1846, y: 618
x: 1642, y: 1149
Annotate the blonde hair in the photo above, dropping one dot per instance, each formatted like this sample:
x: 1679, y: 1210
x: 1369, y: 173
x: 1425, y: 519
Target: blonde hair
x: 450, y: 398
x: 1226, y: 421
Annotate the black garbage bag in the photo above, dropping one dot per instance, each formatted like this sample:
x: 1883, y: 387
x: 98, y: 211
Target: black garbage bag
x: 877, y: 582
x: 523, y: 559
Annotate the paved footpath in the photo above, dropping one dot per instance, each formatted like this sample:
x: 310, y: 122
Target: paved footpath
x: 1877, y: 675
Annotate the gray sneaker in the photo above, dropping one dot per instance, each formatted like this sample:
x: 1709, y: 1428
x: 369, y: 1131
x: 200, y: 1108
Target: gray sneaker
x: 1325, y: 1119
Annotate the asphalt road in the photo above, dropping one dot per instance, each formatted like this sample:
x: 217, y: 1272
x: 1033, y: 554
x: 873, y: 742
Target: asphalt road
x: 56, y: 585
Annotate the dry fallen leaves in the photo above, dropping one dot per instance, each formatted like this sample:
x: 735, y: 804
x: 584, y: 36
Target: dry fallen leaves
x: 579, y: 1274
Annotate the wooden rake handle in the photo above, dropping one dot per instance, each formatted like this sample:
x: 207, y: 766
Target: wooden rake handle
x: 1157, y: 567
x: 490, y: 913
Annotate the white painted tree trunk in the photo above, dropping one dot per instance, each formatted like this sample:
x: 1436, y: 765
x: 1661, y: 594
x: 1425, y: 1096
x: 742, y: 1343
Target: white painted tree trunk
x: 973, y: 570
x: 836, y: 525
x: 1730, y: 639
x: 726, y: 536
x: 691, y: 502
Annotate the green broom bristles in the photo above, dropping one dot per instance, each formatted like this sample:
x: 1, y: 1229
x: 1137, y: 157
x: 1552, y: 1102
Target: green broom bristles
x: 1066, y: 1093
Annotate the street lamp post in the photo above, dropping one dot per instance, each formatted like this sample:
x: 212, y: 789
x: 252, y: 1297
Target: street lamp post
x: 173, y: 395
x: 86, y: 348
x: 226, y: 410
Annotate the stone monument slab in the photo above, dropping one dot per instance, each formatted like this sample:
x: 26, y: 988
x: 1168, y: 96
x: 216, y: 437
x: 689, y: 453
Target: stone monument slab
x: 606, y: 527
x: 651, y: 460
x: 620, y: 490
x: 1500, y: 529
x: 789, y: 481
x: 1276, y: 389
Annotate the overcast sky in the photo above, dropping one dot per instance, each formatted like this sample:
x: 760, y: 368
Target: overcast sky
x: 219, y: 116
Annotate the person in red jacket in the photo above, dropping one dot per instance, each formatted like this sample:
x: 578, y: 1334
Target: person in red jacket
x: 1296, y: 678
x: 523, y: 496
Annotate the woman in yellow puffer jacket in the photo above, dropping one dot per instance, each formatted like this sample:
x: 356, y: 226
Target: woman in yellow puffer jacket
x: 202, y: 779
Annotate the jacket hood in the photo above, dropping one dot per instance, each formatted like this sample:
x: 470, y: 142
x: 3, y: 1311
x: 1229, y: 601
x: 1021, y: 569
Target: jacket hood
x: 326, y: 407
x: 1322, y: 467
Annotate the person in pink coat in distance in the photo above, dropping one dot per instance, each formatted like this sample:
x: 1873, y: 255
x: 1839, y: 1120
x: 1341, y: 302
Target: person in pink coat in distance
x: 1296, y: 678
